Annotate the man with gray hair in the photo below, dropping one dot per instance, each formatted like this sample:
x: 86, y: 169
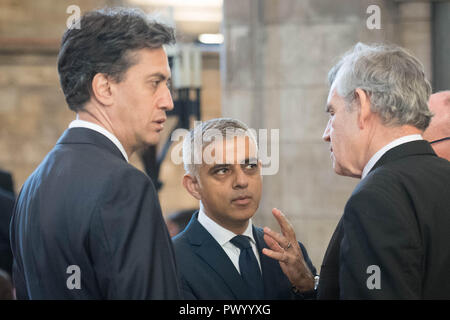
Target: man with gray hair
x: 220, y: 254
x: 392, y: 240
x: 87, y: 224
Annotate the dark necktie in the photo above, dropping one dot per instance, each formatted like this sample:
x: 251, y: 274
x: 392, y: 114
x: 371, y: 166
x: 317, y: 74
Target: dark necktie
x: 250, y: 272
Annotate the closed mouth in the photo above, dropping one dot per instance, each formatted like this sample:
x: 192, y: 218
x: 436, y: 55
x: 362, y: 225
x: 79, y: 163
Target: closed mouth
x: 242, y: 200
x: 160, y: 122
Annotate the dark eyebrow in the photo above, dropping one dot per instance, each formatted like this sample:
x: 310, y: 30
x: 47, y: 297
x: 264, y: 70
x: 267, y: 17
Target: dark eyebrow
x: 252, y: 160
x: 328, y: 108
x: 158, y: 75
x: 219, y: 166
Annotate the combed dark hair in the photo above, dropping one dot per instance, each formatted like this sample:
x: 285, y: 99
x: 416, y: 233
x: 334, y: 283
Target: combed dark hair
x: 103, y: 45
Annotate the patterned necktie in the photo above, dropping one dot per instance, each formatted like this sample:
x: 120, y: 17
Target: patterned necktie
x: 248, y: 265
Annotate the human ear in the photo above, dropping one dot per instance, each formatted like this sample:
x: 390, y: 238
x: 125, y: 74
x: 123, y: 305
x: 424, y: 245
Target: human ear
x: 101, y: 89
x: 364, y: 112
x: 190, y: 183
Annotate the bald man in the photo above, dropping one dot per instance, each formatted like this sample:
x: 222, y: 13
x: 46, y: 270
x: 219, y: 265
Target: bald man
x: 438, y: 132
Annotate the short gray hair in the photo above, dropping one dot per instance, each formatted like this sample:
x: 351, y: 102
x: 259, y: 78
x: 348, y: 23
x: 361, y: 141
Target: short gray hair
x: 205, y: 132
x: 392, y: 77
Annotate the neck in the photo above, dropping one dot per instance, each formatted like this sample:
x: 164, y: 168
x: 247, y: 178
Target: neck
x: 384, y: 136
x: 99, y: 116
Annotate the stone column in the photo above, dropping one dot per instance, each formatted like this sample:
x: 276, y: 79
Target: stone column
x: 414, y: 30
x: 441, y: 46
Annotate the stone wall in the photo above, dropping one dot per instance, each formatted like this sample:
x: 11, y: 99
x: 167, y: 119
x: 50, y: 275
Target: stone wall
x: 274, y: 68
x: 33, y: 112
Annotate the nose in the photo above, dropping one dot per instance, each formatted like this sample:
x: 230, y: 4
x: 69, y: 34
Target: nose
x: 326, y: 133
x: 165, y: 101
x: 240, y: 178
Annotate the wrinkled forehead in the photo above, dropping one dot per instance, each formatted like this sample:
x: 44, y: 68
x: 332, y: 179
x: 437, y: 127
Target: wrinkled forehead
x: 234, y: 150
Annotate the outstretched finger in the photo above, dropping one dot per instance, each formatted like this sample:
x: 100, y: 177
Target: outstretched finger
x: 285, y: 225
x: 279, y: 238
x: 272, y: 243
x: 280, y: 256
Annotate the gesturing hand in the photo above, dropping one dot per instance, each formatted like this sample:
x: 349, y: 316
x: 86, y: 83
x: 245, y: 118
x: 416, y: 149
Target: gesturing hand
x: 285, y: 248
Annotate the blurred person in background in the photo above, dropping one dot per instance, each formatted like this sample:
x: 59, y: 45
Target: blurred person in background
x: 6, y: 210
x: 438, y: 132
x: 6, y: 287
x: 177, y: 221
x: 6, y: 182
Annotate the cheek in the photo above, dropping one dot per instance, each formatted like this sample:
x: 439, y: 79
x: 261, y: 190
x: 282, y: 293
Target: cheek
x: 257, y: 189
x: 337, y: 134
x: 213, y: 194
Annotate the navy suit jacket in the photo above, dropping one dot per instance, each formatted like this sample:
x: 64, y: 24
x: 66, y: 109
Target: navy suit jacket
x: 207, y: 273
x: 86, y: 206
x: 6, y: 182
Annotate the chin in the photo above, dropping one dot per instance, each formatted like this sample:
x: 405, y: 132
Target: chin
x: 246, y: 213
x: 152, y: 140
x: 346, y: 173
x: 340, y: 170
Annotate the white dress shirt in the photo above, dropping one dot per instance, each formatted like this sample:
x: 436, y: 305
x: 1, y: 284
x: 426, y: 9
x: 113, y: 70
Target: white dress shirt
x: 89, y: 125
x: 223, y: 237
x: 377, y: 156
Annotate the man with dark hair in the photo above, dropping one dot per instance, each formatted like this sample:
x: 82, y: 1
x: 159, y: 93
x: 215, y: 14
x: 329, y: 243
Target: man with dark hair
x: 88, y: 225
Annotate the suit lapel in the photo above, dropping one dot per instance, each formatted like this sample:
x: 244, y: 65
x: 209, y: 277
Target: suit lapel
x: 335, y: 242
x: 207, y: 248
x: 329, y: 271
x: 269, y: 267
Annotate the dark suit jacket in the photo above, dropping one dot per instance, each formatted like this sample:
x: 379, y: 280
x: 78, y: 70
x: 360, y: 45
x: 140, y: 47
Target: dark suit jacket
x: 207, y: 273
x: 397, y: 219
x: 86, y: 206
x: 6, y: 209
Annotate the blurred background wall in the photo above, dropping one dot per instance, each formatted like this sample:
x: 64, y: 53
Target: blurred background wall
x: 270, y: 72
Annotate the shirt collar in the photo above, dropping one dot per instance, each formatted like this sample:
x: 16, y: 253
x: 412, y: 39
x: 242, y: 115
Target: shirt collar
x: 219, y: 233
x: 90, y: 125
x: 377, y: 156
